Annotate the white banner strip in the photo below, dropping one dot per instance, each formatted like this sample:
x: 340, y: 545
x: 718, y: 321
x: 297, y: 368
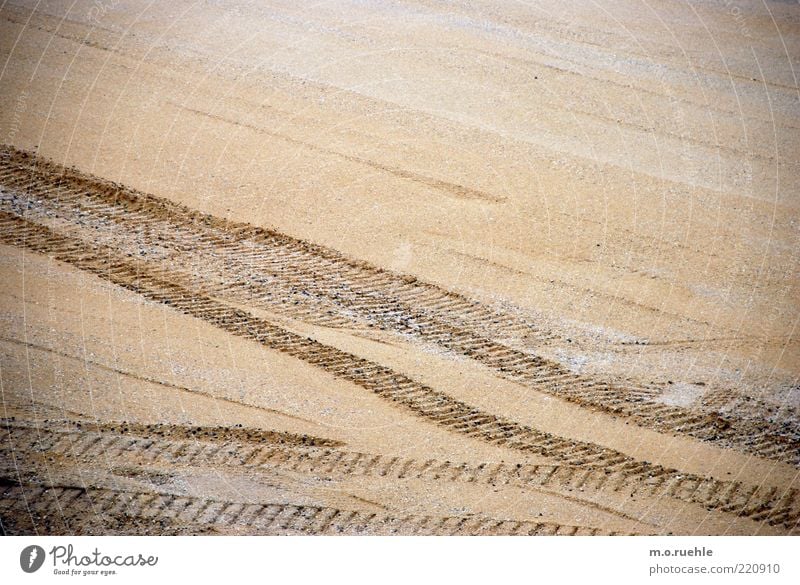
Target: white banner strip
x: 372, y: 560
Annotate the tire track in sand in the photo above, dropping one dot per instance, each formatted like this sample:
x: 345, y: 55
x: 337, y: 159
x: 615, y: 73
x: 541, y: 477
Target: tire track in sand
x: 76, y: 510
x: 264, y: 268
x: 214, y: 446
x: 774, y: 503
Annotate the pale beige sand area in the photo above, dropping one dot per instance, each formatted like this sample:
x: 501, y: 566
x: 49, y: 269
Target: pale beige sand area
x: 579, y: 220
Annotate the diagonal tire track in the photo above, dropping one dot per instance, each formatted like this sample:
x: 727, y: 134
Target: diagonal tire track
x: 417, y: 398
x: 261, y: 267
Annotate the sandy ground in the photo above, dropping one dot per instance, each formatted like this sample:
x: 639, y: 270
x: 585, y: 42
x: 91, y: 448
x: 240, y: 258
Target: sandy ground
x: 537, y: 265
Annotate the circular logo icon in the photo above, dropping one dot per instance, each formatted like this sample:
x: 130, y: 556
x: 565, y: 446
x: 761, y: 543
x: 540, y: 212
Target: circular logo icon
x: 31, y: 558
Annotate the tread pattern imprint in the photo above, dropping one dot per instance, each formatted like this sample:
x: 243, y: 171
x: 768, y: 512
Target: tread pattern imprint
x: 229, y: 275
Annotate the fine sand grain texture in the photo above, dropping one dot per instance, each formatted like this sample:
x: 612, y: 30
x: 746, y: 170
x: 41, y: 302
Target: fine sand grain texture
x: 414, y: 267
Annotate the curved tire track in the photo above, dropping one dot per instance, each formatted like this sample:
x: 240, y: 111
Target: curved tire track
x: 205, y: 446
x: 74, y: 510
